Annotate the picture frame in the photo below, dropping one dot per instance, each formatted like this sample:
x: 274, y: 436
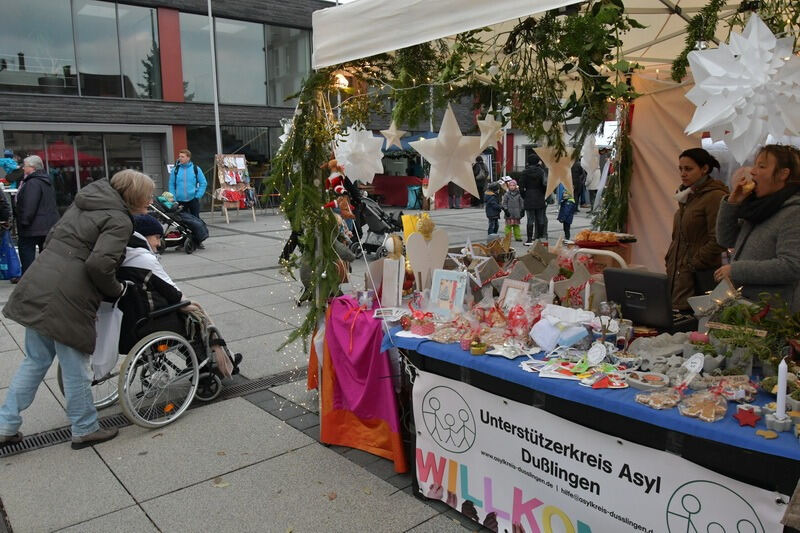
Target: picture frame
x: 511, y: 292
x: 447, y: 292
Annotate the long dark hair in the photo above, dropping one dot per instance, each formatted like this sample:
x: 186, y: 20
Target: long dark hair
x: 701, y: 157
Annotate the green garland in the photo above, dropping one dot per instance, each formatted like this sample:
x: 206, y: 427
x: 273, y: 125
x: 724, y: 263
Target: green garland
x: 298, y: 178
x: 613, y: 212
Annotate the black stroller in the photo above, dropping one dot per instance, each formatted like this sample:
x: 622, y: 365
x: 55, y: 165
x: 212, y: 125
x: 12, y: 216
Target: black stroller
x: 180, y: 231
x: 379, y: 224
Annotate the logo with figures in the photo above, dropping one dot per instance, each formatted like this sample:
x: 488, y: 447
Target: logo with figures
x: 448, y: 419
x: 710, y: 507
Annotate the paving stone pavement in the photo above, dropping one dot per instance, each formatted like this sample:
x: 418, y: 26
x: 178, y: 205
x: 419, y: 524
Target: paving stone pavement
x: 252, y: 463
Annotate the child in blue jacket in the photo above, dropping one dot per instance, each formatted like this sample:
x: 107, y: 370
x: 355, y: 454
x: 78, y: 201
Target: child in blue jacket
x: 491, y: 202
x: 566, y: 212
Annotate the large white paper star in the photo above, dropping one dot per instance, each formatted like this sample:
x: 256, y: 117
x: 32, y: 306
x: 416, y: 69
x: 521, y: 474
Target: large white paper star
x: 393, y: 136
x: 359, y: 152
x: 451, y: 156
x: 746, y: 89
x: 489, y: 129
x: 286, y: 124
x: 559, y: 168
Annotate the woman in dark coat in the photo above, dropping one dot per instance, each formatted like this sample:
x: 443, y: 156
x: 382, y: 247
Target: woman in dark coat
x: 37, y: 211
x: 694, y: 253
x: 532, y: 186
x: 57, y: 301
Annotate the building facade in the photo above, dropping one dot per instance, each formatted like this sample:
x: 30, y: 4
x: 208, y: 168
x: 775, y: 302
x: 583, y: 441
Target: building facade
x: 96, y: 86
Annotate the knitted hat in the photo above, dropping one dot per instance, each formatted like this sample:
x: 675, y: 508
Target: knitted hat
x: 512, y: 182
x: 147, y: 225
x: 8, y: 153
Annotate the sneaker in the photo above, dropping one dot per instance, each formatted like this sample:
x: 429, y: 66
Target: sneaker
x: 528, y: 243
x: 201, y: 246
x: 14, y: 281
x: 237, y: 358
x: 8, y: 440
x: 518, y: 240
x: 101, y: 435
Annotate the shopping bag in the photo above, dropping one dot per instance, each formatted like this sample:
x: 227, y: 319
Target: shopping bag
x: 106, y: 349
x: 9, y: 260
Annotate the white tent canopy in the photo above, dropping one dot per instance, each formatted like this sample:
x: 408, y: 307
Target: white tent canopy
x: 367, y: 27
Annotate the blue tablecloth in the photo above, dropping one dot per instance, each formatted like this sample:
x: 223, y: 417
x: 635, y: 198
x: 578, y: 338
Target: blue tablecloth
x: 621, y: 401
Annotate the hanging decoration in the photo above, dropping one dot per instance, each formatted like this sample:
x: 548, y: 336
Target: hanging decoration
x: 359, y: 152
x: 393, y: 136
x: 746, y: 89
x: 451, y: 156
x: 559, y: 166
x: 286, y: 124
x: 490, y: 129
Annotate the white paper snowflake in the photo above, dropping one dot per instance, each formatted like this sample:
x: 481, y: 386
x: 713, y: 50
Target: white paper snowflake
x: 746, y: 89
x: 359, y: 152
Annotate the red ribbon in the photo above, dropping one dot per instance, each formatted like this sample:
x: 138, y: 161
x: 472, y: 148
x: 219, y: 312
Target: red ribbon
x: 417, y: 314
x: 357, y: 310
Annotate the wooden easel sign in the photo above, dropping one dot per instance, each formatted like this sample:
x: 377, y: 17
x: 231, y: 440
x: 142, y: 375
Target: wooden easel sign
x: 232, y: 185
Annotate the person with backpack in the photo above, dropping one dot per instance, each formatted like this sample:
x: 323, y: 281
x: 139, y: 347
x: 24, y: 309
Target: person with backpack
x: 532, y: 186
x: 187, y: 183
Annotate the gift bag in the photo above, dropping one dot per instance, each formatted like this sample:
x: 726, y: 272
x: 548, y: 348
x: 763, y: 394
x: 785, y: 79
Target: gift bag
x: 106, y: 349
x: 9, y: 260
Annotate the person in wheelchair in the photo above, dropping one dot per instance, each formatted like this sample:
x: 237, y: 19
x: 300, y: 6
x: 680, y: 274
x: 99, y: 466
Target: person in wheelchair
x: 151, y: 290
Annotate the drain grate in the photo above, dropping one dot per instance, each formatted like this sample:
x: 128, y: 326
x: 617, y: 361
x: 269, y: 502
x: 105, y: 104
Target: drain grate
x: 62, y: 435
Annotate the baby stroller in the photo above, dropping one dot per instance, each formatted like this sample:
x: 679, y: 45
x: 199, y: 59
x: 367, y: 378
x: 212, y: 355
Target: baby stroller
x: 379, y: 224
x: 178, y: 233
x: 164, y: 371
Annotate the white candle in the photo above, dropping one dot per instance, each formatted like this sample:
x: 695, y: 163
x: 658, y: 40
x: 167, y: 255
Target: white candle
x: 780, y: 411
x: 550, y: 287
x: 587, y: 292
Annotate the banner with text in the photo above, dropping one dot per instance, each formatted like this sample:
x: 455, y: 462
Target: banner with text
x: 516, y: 468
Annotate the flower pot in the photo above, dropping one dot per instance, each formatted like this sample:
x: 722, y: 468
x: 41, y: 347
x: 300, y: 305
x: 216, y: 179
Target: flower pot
x: 792, y: 404
x: 742, y: 359
x: 768, y: 369
x: 712, y: 362
x: 719, y: 344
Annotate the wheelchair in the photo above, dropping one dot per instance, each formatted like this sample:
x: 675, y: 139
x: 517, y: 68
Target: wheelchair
x: 163, y: 373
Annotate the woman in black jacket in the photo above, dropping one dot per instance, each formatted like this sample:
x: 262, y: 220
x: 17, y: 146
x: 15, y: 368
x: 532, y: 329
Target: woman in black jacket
x: 532, y: 187
x: 37, y: 211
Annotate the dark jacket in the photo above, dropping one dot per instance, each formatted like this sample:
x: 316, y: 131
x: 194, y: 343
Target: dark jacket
x: 151, y: 289
x: 532, y: 184
x: 59, y: 294
x: 566, y: 211
x: 694, y: 245
x: 37, y: 211
x: 5, y: 208
x: 491, y: 204
x: 767, y: 255
x: 578, y: 177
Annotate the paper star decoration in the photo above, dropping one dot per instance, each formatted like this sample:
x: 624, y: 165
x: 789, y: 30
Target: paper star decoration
x: 559, y: 168
x: 490, y: 129
x: 287, y: 130
x: 451, y: 156
x: 470, y: 263
x: 746, y: 89
x: 393, y: 136
x: 359, y: 152
x: 747, y: 417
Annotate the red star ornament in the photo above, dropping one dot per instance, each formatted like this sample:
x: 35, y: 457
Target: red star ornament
x: 747, y: 417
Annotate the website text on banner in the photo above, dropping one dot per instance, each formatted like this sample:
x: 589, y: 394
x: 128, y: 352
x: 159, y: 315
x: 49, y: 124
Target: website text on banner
x: 513, y: 467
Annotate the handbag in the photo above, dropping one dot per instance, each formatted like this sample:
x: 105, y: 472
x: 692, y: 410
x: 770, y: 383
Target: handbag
x: 106, y: 348
x: 703, y: 281
x: 10, y: 267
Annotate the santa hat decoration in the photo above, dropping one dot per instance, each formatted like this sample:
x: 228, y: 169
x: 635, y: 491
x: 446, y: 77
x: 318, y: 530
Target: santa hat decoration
x: 335, y: 181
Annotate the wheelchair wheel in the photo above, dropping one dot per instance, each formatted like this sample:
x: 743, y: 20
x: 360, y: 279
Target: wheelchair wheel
x: 209, y: 388
x: 104, y: 391
x: 158, y: 379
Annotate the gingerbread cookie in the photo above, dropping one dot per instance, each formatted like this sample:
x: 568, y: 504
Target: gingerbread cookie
x: 660, y: 399
x: 706, y: 406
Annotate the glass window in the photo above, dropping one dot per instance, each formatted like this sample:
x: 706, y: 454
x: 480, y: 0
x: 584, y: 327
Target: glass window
x: 138, y: 40
x: 288, y: 62
x: 196, y: 58
x: 91, y: 166
x: 240, y: 62
x: 59, y: 159
x: 123, y: 150
x: 97, y: 47
x: 36, y: 50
